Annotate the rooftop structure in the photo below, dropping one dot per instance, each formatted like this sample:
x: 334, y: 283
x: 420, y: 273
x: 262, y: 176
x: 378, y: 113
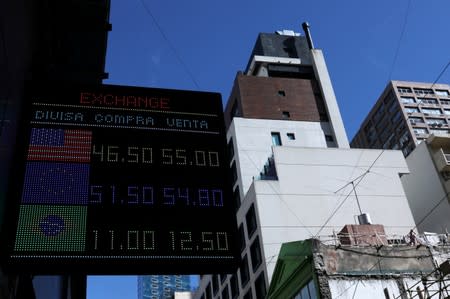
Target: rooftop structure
x: 411, y: 268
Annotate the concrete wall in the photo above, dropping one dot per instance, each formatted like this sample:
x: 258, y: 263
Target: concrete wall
x: 334, y: 114
x: 253, y: 143
x: 313, y: 183
x: 368, y: 260
x: 424, y: 190
x: 363, y: 289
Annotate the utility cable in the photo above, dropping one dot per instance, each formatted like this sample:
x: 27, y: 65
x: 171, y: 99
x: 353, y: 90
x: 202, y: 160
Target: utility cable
x: 405, y: 21
x: 374, y: 265
x: 361, y: 178
x: 279, y: 195
x: 177, y: 55
x: 440, y: 75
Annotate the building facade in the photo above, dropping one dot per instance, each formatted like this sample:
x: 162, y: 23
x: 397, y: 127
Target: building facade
x: 405, y: 115
x: 42, y: 43
x: 294, y: 174
x: 162, y: 286
x: 361, y: 266
x: 427, y: 186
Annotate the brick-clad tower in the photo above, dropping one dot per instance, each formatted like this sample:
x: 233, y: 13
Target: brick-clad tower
x: 286, y: 80
x: 283, y: 99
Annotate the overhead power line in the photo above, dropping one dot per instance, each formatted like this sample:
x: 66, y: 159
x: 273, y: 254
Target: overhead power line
x: 172, y: 47
x: 397, y: 50
x: 383, y: 257
x: 440, y: 75
x: 359, y: 178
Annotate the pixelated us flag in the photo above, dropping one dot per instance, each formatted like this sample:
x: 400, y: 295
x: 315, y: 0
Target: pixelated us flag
x: 56, y: 183
x: 60, y: 145
x: 51, y: 228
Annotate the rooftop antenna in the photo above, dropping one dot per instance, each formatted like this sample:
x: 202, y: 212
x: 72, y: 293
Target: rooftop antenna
x: 305, y: 26
x: 363, y: 218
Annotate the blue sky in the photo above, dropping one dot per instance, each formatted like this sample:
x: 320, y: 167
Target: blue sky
x: 204, y: 43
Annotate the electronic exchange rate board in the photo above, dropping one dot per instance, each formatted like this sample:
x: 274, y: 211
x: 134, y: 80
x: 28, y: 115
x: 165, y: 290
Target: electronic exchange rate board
x: 121, y: 179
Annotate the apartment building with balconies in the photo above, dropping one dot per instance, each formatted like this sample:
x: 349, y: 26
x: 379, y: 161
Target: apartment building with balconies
x: 405, y: 114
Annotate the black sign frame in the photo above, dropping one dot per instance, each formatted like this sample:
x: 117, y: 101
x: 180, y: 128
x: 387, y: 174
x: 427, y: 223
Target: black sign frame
x: 121, y: 180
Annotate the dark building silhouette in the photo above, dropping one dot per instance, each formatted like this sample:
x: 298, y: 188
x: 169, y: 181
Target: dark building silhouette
x: 49, y: 42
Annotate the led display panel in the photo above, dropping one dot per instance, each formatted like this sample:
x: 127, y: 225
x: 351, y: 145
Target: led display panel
x: 115, y: 179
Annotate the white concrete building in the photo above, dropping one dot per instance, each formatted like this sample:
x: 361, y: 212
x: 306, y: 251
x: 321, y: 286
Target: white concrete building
x: 428, y: 185
x: 295, y: 176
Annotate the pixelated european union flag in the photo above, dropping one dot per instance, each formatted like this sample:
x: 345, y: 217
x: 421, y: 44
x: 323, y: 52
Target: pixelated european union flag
x: 56, y: 183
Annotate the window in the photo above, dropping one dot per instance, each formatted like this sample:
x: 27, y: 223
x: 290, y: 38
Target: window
x: 388, y: 141
x: 435, y: 121
x: 404, y: 139
x: 329, y: 138
x: 445, y: 102
x: 260, y: 286
x: 420, y: 140
x: 420, y: 131
x: 242, y: 237
x: 369, y: 128
x: 392, y: 107
x: 291, y: 136
x: 397, y: 116
x: 250, y: 218
x: 230, y: 149
x: 439, y: 132
x: 215, y: 283
x: 276, y: 138
x: 406, y: 151
x: 286, y: 114
x: 423, y: 91
x: 248, y: 295
x: 282, y: 93
x: 442, y: 93
x: 234, y: 286
x: 407, y: 100
x: 243, y: 270
x: 222, y: 277
x: 384, y: 135
x: 237, y: 197
x: 447, y: 111
x: 379, y: 113
x: 389, y: 98
x: 255, y: 253
x: 208, y: 291
x: 416, y: 120
x: 225, y: 294
x: 307, y: 292
x: 431, y: 110
x: 404, y: 89
x: 427, y: 101
x: 234, y: 172
x: 412, y: 110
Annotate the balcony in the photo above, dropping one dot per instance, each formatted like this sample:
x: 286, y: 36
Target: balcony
x: 442, y: 160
